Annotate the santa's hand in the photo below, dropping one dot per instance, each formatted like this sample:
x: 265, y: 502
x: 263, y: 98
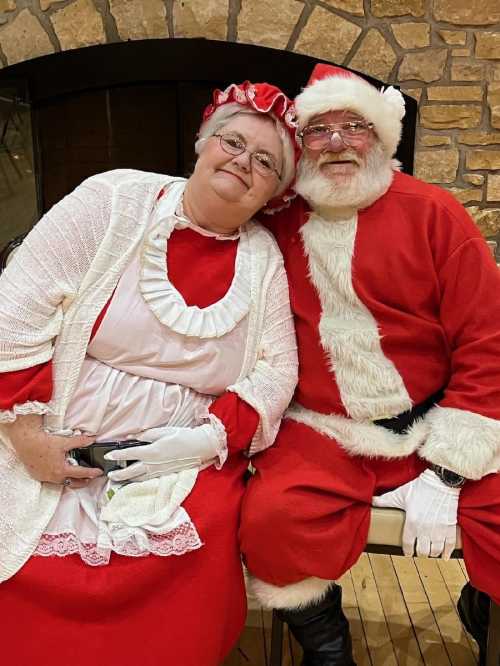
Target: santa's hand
x: 431, y: 515
x: 173, y: 450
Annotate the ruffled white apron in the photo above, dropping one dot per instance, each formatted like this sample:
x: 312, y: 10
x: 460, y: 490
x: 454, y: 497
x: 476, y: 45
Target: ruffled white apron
x: 154, y: 362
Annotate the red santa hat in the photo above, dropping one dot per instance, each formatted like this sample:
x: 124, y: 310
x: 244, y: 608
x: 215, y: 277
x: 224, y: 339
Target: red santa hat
x: 332, y: 88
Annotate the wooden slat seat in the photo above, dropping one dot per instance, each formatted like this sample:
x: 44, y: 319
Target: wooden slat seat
x: 386, y: 531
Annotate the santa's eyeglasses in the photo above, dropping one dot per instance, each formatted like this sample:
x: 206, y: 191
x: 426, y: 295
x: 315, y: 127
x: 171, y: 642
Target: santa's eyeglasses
x: 319, y: 136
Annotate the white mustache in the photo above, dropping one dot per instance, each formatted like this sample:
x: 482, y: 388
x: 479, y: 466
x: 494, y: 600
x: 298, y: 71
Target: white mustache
x: 346, y: 155
x: 369, y: 181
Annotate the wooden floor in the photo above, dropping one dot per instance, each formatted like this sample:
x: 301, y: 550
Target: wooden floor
x: 401, y: 610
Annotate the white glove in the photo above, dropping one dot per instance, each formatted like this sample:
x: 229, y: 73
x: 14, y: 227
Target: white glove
x: 171, y: 450
x: 431, y: 514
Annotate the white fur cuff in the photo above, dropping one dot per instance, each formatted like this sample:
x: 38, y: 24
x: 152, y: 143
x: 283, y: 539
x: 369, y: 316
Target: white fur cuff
x: 465, y: 442
x: 293, y: 596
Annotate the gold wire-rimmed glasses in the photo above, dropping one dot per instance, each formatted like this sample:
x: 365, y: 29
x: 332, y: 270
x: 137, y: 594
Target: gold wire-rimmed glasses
x: 263, y: 162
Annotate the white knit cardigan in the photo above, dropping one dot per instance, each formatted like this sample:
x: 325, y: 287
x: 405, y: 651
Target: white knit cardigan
x: 51, y: 294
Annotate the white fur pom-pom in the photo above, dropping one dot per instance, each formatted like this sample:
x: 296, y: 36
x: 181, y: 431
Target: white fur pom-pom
x: 395, y: 99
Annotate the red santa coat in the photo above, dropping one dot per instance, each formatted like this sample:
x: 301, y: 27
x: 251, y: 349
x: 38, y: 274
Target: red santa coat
x: 391, y: 304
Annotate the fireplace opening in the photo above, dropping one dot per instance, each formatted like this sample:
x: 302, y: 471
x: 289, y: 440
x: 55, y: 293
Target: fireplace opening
x: 66, y: 116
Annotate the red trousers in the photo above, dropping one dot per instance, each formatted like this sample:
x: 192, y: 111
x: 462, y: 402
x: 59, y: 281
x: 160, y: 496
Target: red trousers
x: 307, y: 510
x: 152, y: 611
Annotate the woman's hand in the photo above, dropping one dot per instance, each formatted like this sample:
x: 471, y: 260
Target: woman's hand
x: 44, y: 455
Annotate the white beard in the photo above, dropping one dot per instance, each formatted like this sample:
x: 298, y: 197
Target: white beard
x: 360, y: 190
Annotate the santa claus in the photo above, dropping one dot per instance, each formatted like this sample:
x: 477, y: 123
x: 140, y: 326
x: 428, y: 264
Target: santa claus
x: 397, y: 308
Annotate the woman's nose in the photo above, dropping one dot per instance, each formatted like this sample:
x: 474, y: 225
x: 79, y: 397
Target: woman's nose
x: 243, y: 161
x: 336, y: 143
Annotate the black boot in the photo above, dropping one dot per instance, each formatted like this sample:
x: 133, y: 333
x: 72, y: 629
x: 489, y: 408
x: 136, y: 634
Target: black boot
x: 323, y: 631
x: 474, y: 611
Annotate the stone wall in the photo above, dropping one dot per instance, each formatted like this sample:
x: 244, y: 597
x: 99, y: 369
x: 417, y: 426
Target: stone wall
x: 445, y: 53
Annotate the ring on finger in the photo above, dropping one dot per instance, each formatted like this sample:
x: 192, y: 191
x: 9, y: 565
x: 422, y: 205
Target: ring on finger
x: 66, y: 482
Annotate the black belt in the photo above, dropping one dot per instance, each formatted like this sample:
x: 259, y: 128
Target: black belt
x: 403, y: 421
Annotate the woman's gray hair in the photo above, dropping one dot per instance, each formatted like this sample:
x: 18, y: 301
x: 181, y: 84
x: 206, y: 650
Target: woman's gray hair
x: 227, y: 112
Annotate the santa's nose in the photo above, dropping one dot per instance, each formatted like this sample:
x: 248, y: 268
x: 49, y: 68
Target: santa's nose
x: 336, y: 143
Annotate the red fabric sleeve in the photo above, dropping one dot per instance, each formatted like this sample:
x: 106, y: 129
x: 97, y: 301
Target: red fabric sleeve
x: 470, y: 307
x: 239, y: 418
x: 28, y: 385
x: 35, y: 383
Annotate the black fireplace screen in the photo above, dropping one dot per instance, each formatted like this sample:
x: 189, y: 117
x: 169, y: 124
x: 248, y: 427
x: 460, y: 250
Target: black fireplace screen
x: 18, y: 196
x: 137, y: 105
x: 144, y: 126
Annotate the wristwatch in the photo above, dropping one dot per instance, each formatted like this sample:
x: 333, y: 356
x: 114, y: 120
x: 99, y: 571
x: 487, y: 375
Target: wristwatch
x: 449, y: 478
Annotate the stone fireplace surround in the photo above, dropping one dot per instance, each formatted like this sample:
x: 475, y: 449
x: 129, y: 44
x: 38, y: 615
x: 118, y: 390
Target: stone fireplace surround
x: 444, y: 53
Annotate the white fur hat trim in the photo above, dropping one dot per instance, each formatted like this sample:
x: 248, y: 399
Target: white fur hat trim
x: 384, y: 108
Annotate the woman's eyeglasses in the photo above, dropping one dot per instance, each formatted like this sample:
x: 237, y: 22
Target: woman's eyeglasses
x: 319, y: 136
x: 262, y: 162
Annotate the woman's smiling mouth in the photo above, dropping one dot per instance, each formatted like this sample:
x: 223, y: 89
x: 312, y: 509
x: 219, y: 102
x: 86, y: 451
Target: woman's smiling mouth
x: 235, y: 175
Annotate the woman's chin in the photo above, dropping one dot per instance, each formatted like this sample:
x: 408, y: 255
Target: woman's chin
x: 231, y: 192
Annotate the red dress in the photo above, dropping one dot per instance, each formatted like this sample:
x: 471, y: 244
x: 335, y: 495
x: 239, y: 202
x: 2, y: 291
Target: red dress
x: 186, y: 610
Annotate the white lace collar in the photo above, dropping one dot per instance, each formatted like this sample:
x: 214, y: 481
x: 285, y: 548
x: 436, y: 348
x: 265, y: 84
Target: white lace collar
x: 167, y: 303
